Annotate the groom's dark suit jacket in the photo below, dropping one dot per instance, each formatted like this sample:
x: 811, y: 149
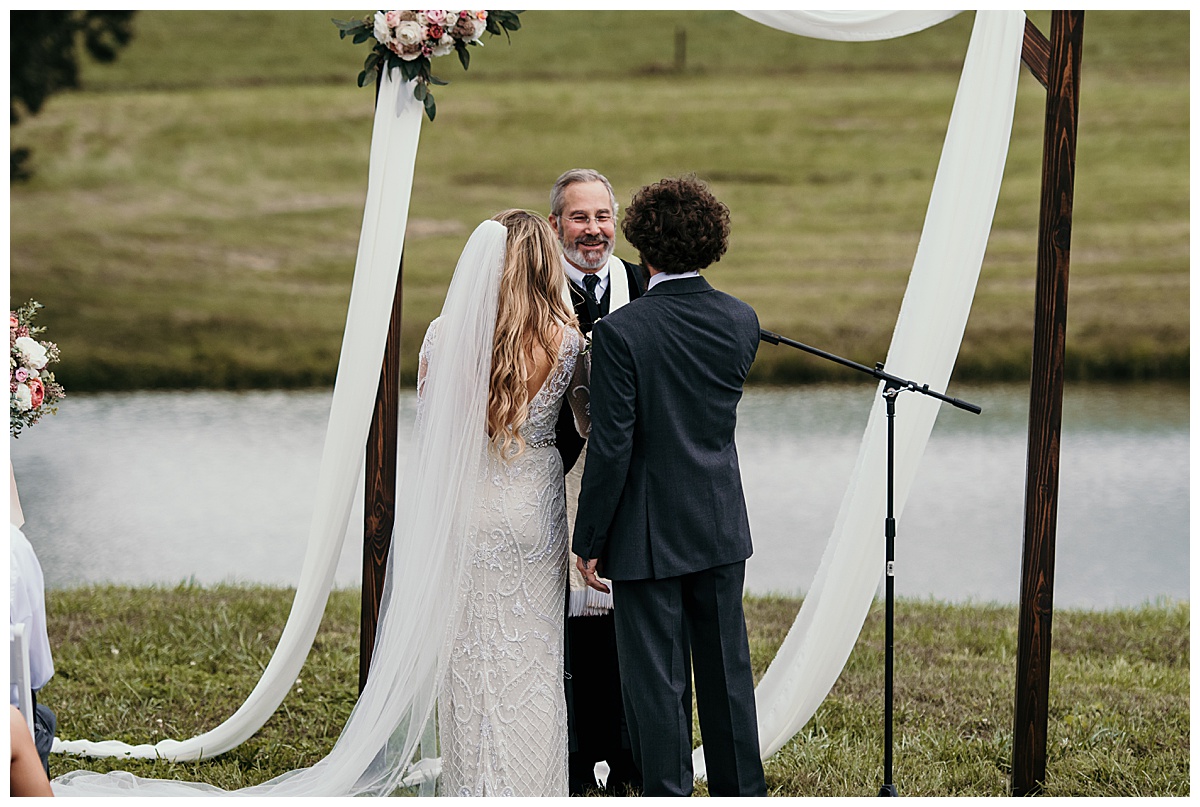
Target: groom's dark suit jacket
x: 662, y: 492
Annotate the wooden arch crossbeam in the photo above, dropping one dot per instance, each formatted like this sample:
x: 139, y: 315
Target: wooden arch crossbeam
x: 1054, y: 61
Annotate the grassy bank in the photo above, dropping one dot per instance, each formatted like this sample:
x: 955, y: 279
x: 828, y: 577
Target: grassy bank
x: 146, y: 664
x: 195, y: 215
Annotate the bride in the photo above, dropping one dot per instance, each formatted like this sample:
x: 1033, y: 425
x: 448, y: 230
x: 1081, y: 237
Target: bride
x: 501, y: 709
x: 471, y: 624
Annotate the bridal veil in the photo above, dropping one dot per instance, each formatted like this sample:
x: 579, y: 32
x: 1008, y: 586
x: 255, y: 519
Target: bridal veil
x: 392, y: 722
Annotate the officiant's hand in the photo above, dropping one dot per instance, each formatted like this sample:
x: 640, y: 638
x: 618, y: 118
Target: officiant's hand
x: 588, y: 570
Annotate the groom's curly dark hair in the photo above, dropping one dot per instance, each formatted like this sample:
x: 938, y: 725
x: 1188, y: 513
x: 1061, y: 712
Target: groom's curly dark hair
x: 677, y: 225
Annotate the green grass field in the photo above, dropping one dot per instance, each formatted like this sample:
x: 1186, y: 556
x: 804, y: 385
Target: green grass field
x: 194, y: 217
x: 147, y: 664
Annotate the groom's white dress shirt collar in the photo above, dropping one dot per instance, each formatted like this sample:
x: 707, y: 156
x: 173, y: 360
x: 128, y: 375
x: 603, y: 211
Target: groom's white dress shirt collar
x: 662, y: 277
x: 577, y: 275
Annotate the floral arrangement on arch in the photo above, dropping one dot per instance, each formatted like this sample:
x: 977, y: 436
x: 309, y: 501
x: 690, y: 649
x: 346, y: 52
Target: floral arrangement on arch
x: 410, y: 39
x: 32, y: 389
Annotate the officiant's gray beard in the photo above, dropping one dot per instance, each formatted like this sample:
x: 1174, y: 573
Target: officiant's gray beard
x: 575, y: 255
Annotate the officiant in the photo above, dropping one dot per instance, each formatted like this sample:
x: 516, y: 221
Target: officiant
x: 583, y: 211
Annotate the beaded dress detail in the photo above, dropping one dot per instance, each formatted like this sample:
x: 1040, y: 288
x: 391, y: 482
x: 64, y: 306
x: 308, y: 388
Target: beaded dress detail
x: 502, y: 721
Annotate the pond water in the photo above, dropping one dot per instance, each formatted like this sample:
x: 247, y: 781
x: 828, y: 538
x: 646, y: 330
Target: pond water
x: 167, y: 487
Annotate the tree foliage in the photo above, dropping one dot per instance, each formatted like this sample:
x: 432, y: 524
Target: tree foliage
x: 45, y: 49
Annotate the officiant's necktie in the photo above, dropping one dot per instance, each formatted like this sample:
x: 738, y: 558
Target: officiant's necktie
x: 593, y: 305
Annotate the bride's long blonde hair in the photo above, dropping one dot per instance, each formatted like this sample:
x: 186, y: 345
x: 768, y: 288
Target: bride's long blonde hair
x: 532, y: 311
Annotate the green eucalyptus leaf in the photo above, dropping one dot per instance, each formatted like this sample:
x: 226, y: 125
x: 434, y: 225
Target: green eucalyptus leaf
x: 430, y: 106
x: 362, y: 79
x: 347, y: 25
x: 420, y: 92
x: 464, y: 55
x: 363, y: 36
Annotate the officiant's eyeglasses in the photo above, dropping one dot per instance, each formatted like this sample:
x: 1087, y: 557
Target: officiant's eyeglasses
x: 582, y: 221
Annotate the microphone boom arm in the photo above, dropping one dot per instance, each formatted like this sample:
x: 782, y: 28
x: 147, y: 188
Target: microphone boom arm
x: 894, y: 383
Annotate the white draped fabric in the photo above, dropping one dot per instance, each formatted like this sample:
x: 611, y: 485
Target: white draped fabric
x: 924, y: 346
x: 394, y: 139
x: 850, y: 26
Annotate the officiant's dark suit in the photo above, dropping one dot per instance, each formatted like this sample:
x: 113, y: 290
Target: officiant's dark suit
x: 567, y: 438
x: 596, y: 726
x: 661, y: 507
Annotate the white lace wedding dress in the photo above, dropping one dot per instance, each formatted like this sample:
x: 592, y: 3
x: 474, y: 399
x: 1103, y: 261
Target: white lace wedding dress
x: 502, y: 720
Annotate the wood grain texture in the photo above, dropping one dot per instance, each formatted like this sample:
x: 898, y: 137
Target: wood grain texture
x: 379, y: 507
x: 1045, y: 404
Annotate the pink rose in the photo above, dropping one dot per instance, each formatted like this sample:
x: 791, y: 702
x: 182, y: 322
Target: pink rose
x: 37, y: 392
x: 392, y: 18
x: 21, y: 374
x: 436, y: 17
x: 435, y: 31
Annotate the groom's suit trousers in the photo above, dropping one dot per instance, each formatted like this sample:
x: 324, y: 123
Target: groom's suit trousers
x: 656, y: 619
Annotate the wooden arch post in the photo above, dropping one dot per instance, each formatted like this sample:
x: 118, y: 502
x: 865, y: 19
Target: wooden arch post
x: 1055, y: 62
x: 379, y: 505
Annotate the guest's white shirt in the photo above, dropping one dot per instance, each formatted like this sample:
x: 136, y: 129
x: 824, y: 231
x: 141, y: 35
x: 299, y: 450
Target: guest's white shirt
x: 27, y: 606
x: 577, y: 275
x: 662, y: 277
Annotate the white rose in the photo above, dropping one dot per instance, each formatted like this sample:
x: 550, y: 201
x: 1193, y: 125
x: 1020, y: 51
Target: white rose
x: 383, y: 33
x: 24, y: 398
x: 33, y: 351
x: 410, y: 32
x: 444, y: 46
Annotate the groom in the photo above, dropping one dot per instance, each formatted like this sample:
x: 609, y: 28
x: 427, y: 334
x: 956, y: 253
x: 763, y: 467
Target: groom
x: 661, y: 511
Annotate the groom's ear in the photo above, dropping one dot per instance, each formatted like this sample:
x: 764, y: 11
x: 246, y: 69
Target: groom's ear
x: 553, y: 219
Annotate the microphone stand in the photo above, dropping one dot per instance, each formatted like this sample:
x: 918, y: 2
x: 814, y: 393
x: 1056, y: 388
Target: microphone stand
x: 892, y: 387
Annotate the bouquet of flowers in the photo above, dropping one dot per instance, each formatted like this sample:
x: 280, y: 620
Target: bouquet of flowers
x: 409, y: 39
x: 32, y: 389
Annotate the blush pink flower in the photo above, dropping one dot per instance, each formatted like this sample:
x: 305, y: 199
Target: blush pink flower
x: 13, y: 322
x: 21, y: 374
x: 37, y: 392
x: 436, y: 17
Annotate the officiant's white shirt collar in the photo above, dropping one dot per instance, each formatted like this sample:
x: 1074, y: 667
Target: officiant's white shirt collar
x: 663, y: 276
x: 577, y: 275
